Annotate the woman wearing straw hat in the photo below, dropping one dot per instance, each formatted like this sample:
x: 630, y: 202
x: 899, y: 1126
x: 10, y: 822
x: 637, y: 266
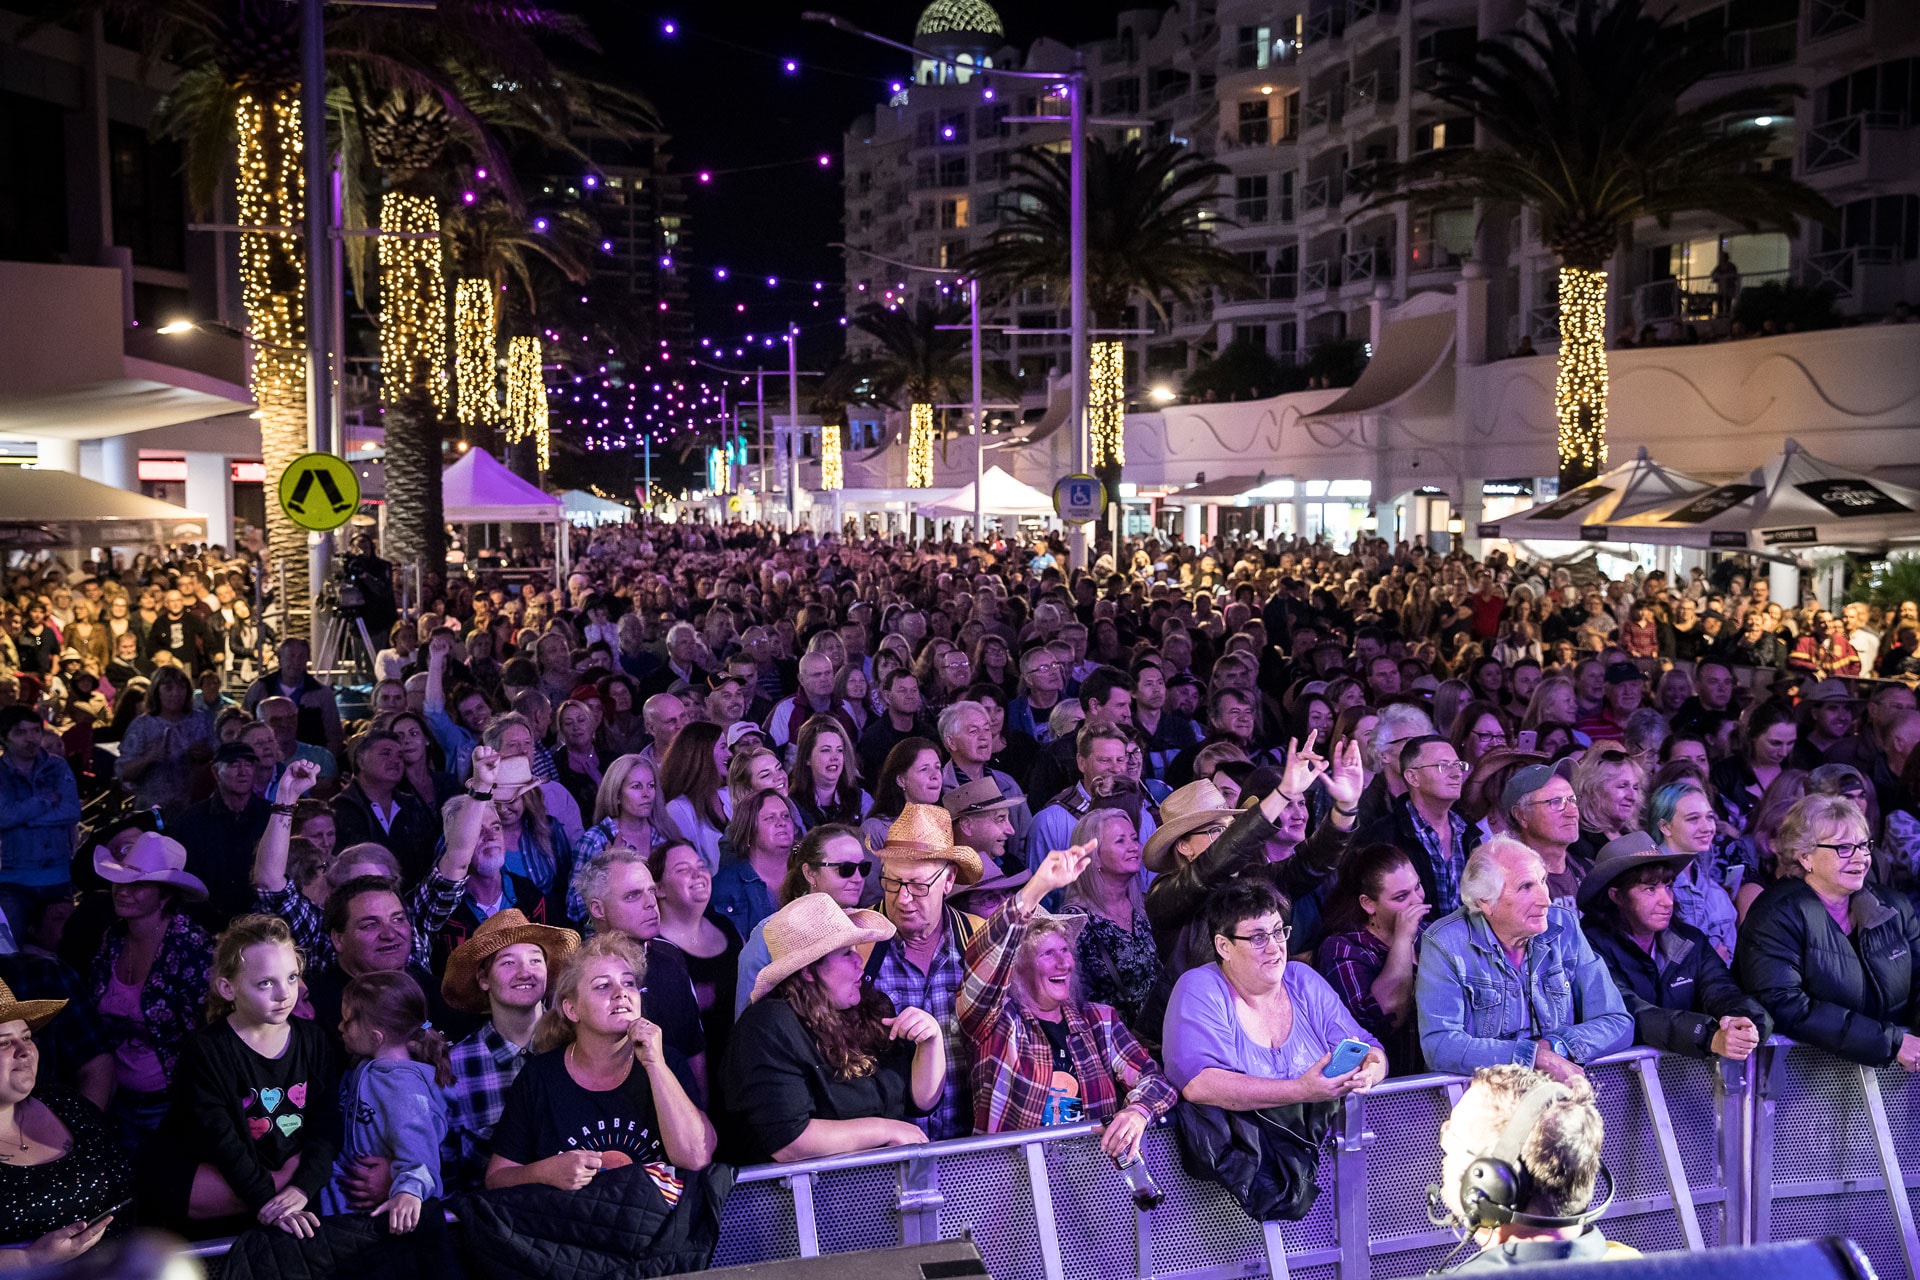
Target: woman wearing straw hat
x: 821, y: 1064
x: 149, y: 978
x: 1041, y: 1053
x: 60, y: 1168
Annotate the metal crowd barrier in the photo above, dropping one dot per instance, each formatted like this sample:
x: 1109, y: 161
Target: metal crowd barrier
x: 1793, y: 1143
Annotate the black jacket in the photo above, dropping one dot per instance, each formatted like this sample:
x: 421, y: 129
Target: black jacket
x: 1850, y: 995
x: 1397, y: 830
x: 1267, y: 1159
x: 1677, y: 1008
x: 411, y: 839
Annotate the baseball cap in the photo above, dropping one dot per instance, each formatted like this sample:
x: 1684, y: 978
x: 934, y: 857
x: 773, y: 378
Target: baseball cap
x: 1623, y: 673
x: 1526, y: 781
x: 741, y: 729
x: 228, y: 752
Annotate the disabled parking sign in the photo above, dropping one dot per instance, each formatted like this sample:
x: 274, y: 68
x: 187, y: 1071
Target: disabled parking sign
x: 319, y: 491
x: 1079, y: 499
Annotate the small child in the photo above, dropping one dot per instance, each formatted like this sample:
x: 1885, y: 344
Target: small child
x: 395, y: 1110
x: 253, y: 1124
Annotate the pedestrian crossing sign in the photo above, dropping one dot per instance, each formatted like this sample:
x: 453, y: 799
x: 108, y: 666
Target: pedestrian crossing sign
x: 319, y: 491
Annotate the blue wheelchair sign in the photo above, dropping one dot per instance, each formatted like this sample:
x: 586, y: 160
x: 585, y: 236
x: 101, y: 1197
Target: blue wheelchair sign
x: 1079, y: 499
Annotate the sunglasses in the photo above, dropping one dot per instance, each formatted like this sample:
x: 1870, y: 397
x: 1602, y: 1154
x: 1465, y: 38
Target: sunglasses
x: 847, y: 870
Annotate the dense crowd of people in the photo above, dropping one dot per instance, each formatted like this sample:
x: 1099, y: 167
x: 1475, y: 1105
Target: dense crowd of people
x: 748, y: 847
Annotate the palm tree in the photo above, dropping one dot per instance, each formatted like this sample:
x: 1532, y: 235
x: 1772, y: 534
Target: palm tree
x: 1587, y: 129
x: 924, y: 359
x: 1150, y: 234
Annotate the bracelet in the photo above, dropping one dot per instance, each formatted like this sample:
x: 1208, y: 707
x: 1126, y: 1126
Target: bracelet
x: 480, y: 795
x: 285, y: 809
x: 1346, y: 813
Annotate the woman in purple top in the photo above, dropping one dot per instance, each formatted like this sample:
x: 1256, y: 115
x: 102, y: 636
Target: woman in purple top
x: 1373, y: 918
x: 1253, y: 1031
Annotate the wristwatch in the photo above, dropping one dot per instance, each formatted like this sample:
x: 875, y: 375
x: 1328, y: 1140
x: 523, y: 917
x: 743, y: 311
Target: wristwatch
x: 1560, y: 1047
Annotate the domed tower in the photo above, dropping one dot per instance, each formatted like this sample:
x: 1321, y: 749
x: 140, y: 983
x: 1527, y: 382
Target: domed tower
x: 965, y: 31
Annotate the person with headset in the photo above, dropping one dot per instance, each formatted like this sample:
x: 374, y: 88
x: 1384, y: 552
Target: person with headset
x: 1520, y: 1158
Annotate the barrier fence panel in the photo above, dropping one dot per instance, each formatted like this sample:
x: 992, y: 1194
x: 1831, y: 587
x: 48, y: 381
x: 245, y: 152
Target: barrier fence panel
x: 1830, y: 1142
x: 1048, y: 1205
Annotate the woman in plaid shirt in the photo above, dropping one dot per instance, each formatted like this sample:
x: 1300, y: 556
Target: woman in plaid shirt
x: 1041, y: 1054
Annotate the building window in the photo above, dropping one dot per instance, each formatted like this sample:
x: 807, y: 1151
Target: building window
x: 1285, y: 193
x: 1254, y: 125
x: 952, y: 252
x: 1290, y: 116
x: 1442, y: 134
x: 953, y: 129
x: 1254, y: 49
x: 1289, y: 340
x: 1120, y: 97
x: 1888, y: 226
x: 955, y: 214
x: 1250, y: 198
x: 953, y: 171
x: 1250, y: 335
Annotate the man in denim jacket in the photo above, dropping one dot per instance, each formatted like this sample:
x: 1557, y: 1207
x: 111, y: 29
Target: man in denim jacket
x: 1509, y: 977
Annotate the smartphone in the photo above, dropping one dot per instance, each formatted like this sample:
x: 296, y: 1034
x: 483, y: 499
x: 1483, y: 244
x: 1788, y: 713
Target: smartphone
x: 1347, y: 1055
x: 1527, y: 740
x: 100, y: 1218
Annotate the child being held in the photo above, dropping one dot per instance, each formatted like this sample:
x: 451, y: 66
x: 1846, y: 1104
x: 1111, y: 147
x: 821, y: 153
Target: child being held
x: 394, y: 1108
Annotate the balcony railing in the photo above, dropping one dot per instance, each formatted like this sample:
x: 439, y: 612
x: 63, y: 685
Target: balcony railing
x: 1544, y: 321
x: 1376, y: 88
x: 1839, y: 269
x: 1757, y: 47
x: 1320, y: 276
x: 1833, y: 17
x: 1689, y: 298
x: 1843, y: 142
x: 1282, y: 286
x: 1367, y: 264
x: 1250, y: 211
x: 1327, y: 23
x: 1319, y: 110
x: 1316, y: 195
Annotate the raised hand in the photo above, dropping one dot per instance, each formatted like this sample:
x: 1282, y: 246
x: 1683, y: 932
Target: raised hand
x: 1303, y: 766
x: 300, y: 777
x: 1062, y: 867
x: 1346, y: 777
x: 486, y: 763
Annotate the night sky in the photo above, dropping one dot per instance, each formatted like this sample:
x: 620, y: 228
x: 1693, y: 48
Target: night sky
x: 722, y: 90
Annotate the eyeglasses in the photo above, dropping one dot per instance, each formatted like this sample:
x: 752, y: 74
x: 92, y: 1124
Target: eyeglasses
x: 1485, y: 735
x: 1558, y: 804
x: 1038, y: 667
x: 908, y: 888
x: 1847, y: 852
x: 847, y: 870
x: 1445, y: 766
x: 1264, y: 939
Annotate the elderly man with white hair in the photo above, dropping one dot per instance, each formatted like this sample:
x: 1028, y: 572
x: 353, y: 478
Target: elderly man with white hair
x: 1509, y: 977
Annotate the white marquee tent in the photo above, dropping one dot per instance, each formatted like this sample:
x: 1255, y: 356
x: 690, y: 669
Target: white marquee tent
x: 591, y: 509
x: 1001, y: 495
x: 1592, y: 512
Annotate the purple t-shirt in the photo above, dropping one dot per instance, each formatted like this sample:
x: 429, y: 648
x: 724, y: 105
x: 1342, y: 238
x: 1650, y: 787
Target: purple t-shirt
x: 1204, y: 1031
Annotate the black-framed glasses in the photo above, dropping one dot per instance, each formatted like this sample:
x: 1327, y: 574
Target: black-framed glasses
x: 1264, y: 939
x: 908, y: 888
x: 846, y: 870
x: 1847, y: 852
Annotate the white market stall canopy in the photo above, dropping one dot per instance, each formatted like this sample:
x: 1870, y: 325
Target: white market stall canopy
x: 1592, y: 512
x: 586, y: 508
x: 1796, y: 500
x: 1001, y: 495
x: 479, y: 490
x: 82, y: 512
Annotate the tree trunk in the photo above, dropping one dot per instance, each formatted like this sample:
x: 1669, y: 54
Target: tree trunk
x: 416, y: 527
x: 273, y: 283
x: 413, y: 363
x: 1580, y: 376
x: 1107, y: 428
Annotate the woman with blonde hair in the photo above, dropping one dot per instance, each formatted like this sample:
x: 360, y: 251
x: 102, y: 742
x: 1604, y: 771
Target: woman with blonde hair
x: 600, y: 1068
x: 1119, y: 962
x: 1830, y: 955
x: 1611, y: 787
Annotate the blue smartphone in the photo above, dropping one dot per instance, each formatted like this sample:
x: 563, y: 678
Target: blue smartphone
x: 1347, y: 1055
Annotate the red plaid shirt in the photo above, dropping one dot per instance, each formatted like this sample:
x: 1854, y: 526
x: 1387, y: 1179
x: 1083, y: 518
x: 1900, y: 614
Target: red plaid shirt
x: 1013, y: 1059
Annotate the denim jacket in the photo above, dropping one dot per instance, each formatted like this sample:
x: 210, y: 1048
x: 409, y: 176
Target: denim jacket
x: 1476, y: 1010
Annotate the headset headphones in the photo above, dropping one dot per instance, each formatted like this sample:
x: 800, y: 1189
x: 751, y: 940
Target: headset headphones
x: 1496, y: 1187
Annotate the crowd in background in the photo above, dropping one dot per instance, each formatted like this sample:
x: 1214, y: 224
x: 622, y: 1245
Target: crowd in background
x: 752, y: 847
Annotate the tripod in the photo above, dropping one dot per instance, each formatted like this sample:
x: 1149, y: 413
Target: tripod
x: 333, y: 651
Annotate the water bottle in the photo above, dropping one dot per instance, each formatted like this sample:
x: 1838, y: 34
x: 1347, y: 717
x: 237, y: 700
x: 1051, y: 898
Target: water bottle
x: 1146, y: 1193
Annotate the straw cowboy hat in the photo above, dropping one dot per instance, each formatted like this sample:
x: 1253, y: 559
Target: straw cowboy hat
x: 511, y: 776
x: 924, y: 833
x: 151, y: 859
x: 812, y: 928
x: 1196, y: 805
x: 35, y: 1013
x: 496, y: 933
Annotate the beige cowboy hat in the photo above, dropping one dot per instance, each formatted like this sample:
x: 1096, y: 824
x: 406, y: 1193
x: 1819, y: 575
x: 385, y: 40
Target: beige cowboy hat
x: 35, y: 1013
x: 511, y: 776
x: 496, y: 933
x: 924, y: 833
x: 151, y: 859
x: 810, y: 928
x: 1196, y: 805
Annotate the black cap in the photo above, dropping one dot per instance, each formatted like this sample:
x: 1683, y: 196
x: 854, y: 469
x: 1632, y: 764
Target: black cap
x: 228, y: 752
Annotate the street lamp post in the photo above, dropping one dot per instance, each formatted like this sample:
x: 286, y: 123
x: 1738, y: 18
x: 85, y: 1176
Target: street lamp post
x: 1076, y: 83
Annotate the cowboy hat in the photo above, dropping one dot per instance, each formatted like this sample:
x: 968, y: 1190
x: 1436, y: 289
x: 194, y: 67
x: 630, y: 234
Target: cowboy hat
x: 151, y: 859
x: 35, y: 1013
x: 992, y: 884
x: 1621, y: 855
x: 982, y: 795
x: 1196, y: 805
x: 511, y: 776
x: 924, y: 833
x: 813, y: 927
x: 496, y: 933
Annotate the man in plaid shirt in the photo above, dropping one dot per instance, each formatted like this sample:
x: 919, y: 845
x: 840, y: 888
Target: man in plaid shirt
x: 502, y: 969
x: 1043, y: 1056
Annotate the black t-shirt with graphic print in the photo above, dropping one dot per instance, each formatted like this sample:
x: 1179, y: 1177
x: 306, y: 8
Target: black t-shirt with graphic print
x: 548, y: 1114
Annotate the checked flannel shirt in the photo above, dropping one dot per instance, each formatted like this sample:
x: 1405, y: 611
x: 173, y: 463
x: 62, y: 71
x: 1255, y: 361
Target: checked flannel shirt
x: 430, y: 905
x: 935, y: 991
x: 1013, y: 1059
x: 484, y: 1065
